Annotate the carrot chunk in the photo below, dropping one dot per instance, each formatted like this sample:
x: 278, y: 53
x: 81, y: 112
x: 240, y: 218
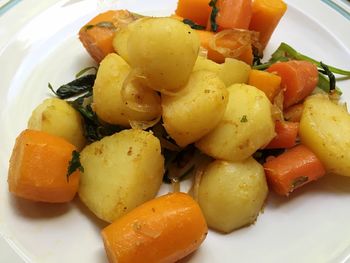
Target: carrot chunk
x: 164, y: 229
x: 233, y: 14
x: 266, y: 15
x: 286, y: 134
x: 38, y: 168
x: 196, y: 10
x: 97, y: 35
x: 293, y: 169
x: 267, y: 82
x: 299, y: 79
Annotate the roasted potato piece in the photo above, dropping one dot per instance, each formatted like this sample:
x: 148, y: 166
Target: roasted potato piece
x: 121, y: 172
x: 164, y: 50
x: 57, y: 117
x: 196, y: 109
x: 231, y: 195
x: 232, y: 71
x: 325, y: 129
x: 247, y: 126
x: 108, y: 101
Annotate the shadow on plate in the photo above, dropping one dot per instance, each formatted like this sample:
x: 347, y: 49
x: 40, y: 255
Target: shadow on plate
x: 330, y: 184
x: 37, y: 210
x: 100, y: 224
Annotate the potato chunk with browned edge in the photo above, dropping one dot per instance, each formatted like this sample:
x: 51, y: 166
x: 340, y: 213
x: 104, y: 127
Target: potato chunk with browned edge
x: 196, y: 109
x: 231, y: 195
x: 247, y: 126
x: 121, y: 172
x: 325, y: 129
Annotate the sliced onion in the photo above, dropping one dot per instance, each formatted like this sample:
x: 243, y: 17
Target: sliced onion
x: 123, y: 18
x: 196, y: 182
x: 143, y: 125
x: 203, y: 52
x: 132, y: 91
x: 277, y: 107
x: 238, y: 39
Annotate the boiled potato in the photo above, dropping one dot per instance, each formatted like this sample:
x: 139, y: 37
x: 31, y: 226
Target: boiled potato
x: 121, y: 172
x: 325, y: 129
x: 120, y: 40
x: 247, y: 126
x: 108, y: 102
x: 57, y: 117
x: 164, y: 50
x: 232, y: 71
x: 196, y: 109
x: 231, y: 195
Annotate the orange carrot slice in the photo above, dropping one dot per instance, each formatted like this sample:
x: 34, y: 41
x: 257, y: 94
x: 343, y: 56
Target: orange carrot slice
x: 286, y: 134
x: 233, y: 14
x: 293, y: 169
x: 266, y: 15
x: 164, y: 229
x: 269, y: 83
x: 299, y: 79
x: 38, y: 168
x: 97, y: 35
x: 196, y: 10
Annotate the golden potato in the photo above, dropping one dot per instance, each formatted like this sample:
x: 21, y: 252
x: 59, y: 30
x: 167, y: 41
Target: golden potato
x: 196, y: 109
x: 325, y: 129
x: 120, y: 40
x: 247, y: 126
x: 121, y: 172
x: 164, y: 50
x: 232, y: 71
x: 108, y: 102
x: 57, y: 117
x: 231, y: 195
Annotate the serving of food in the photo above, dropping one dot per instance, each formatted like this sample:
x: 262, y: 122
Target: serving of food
x: 183, y: 135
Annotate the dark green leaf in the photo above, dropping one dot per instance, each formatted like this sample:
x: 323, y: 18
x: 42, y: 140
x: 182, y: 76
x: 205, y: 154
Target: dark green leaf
x: 74, y: 164
x: 213, y: 14
x: 103, y: 24
x: 192, y: 24
x: 325, y: 70
x: 106, y: 24
x: 75, y: 87
x: 256, y: 57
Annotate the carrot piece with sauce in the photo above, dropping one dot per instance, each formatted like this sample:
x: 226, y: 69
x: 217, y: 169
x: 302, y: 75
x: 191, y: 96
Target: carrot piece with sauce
x: 232, y: 14
x: 164, y: 229
x: 293, y: 169
x: 298, y: 79
x: 269, y: 83
x: 97, y: 35
x: 286, y: 134
x: 38, y: 168
x: 266, y: 15
x: 196, y: 10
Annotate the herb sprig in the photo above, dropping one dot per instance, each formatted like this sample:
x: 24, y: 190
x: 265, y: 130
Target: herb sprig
x: 285, y: 52
x: 192, y: 24
x: 78, y: 93
x: 213, y: 15
x: 103, y: 24
x: 74, y: 164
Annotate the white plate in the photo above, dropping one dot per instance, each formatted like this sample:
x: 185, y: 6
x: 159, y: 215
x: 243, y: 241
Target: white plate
x: 38, y: 44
